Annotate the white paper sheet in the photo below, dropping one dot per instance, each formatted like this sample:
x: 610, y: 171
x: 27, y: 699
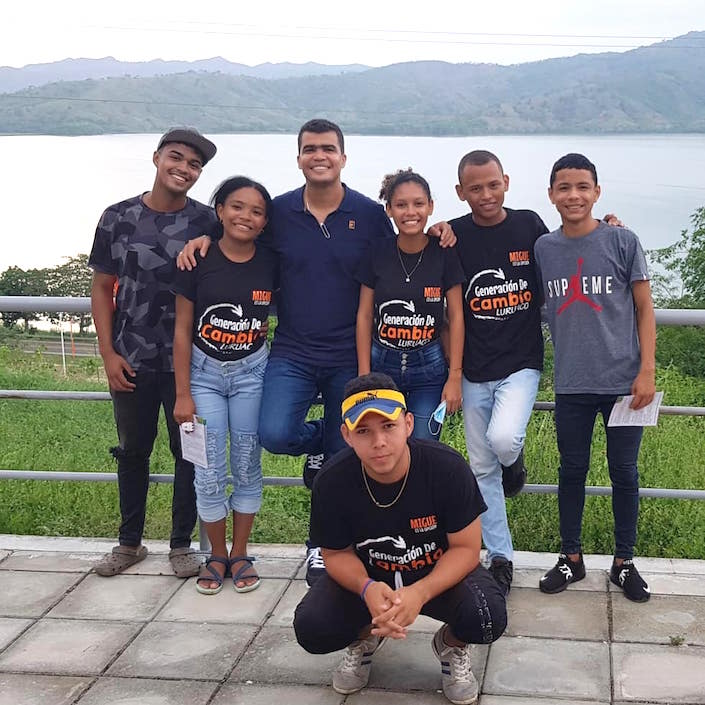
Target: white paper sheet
x: 622, y: 415
x: 193, y: 443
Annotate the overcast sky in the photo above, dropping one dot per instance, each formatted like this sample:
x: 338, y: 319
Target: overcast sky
x: 371, y: 32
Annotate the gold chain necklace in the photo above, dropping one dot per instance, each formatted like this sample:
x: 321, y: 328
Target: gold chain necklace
x: 415, y: 267
x: 396, y: 499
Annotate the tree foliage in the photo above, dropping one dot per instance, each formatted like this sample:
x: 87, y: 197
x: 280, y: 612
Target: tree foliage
x: 72, y: 278
x: 681, y: 284
x: 15, y: 281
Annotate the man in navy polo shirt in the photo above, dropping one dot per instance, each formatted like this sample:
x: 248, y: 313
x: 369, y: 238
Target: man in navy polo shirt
x: 320, y: 232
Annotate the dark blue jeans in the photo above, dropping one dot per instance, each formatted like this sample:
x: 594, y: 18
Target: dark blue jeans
x: 290, y: 388
x: 136, y: 417
x: 575, y: 420
x: 420, y: 375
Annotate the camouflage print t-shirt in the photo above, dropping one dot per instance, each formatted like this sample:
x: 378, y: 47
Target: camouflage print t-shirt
x: 139, y: 246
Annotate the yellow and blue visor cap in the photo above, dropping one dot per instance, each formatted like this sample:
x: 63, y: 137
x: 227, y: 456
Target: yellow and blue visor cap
x: 385, y: 402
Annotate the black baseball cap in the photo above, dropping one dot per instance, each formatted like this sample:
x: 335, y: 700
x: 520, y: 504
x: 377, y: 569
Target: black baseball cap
x: 193, y: 138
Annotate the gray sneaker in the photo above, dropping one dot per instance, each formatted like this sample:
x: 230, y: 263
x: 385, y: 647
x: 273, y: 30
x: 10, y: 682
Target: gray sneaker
x: 458, y: 681
x: 354, y: 670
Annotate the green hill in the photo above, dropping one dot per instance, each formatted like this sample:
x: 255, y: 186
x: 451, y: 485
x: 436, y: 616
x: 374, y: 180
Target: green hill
x: 651, y: 89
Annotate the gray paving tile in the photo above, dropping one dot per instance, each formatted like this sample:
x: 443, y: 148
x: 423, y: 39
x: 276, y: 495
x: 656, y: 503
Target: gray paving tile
x: 663, y: 674
x: 594, y: 581
x: 276, y: 658
x: 54, y: 561
x: 659, y: 620
x: 133, y: 598
x: 228, y: 606
x: 509, y: 700
x: 565, y: 615
x: 9, y: 629
x: 143, y: 691
x: 67, y: 647
x: 26, y: 594
x: 257, y: 694
x: 524, y: 666
x: 187, y: 651
x: 687, y: 567
x: 3, y: 556
x: 369, y: 696
x: 671, y: 584
x: 283, y: 615
x: 296, y: 551
x: 31, y: 689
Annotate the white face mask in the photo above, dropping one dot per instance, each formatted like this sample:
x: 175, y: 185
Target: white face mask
x: 435, y: 422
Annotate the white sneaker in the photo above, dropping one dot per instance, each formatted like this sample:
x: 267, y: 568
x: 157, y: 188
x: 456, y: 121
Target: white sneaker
x: 458, y: 681
x: 354, y: 670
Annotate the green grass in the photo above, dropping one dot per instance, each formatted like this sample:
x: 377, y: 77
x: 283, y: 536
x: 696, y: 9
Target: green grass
x: 76, y: 436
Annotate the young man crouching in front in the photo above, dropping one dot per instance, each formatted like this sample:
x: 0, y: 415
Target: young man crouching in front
x: 398, y: 521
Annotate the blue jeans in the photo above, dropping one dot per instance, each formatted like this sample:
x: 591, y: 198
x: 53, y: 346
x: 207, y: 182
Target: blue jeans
x: 290, y: 388
x: 228, y: 396
x: 420, y: 375
x: 575, y: 420
x: 496, y: 414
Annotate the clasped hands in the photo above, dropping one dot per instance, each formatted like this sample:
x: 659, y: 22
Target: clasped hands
x: 392, y: 610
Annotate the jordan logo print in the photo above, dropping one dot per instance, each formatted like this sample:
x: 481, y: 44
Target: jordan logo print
x: 575, y: 292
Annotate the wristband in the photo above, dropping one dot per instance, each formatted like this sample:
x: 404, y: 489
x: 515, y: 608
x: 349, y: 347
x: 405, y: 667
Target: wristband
x: 364, y: 589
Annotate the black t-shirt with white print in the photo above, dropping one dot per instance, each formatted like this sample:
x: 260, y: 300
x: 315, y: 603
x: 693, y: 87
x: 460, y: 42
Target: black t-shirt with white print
x: 441, y: 497
x: 231, y: 302
x: 502, y: 295
x: 409, y: 314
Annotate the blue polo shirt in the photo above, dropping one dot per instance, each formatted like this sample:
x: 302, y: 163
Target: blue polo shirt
x: 319, y: 294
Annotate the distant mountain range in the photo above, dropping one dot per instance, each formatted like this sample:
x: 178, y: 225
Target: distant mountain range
x: 13, y: 79
x: 659, y: 88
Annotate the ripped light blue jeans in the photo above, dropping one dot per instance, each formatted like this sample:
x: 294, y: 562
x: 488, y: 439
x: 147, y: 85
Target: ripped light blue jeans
x: 228, y: 395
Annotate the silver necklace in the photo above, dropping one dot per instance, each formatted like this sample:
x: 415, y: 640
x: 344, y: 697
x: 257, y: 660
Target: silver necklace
x: 415, y: 267
x: 401, y: 490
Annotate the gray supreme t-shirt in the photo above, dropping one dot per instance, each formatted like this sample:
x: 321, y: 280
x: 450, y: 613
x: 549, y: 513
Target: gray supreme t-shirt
x: 589, y: 307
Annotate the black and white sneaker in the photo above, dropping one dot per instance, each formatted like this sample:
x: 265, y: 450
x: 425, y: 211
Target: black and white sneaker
x: 562, y: 574
x: 514, y: 477
x: 627, y: 577
x: 502, y: 571
x: 312, y: 465
x: 315, y: 567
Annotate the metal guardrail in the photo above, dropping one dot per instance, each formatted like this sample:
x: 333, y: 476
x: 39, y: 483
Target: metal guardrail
x: 670, y: 317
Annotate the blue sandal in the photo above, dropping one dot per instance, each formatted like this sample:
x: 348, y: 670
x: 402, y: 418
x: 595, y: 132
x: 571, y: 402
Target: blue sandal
x: 214, y: 577
x: 240, y: 574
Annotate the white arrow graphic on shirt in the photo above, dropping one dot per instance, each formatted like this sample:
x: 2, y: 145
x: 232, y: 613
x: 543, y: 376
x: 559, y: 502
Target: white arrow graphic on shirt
x: 408, y: 305
x: 398, y: 542
x: 498, y: 274
x: 235, y: 308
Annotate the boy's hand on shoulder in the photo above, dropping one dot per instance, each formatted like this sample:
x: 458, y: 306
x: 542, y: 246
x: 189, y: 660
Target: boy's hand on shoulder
x: 186, y: 259
x: 444, y: 232
x: 612, y: 219
x: 643, y: 389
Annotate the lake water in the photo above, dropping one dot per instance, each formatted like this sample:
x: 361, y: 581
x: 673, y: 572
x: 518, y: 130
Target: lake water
x: 55, y: 188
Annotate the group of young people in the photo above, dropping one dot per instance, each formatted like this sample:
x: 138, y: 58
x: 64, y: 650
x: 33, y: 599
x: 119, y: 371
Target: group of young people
x: 394, y: 331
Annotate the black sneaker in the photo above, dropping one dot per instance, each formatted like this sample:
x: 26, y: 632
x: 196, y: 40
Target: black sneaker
x: 315, y: 567
x: 502, y: 571
x: 312, y: 465
x: 514, y: 477
x: 562, y: 574
x: 627, y: 577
